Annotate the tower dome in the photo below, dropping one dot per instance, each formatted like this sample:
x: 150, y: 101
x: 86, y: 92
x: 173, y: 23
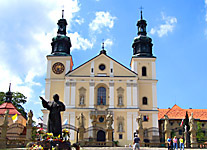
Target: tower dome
x: 61, y: 44
x: 142, y: 45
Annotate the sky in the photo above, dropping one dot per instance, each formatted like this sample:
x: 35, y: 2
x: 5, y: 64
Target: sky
x: 178, y: 30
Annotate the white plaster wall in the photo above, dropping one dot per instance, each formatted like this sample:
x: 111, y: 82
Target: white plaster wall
x: 129, y: 126
x: 72, y: 122
x: 48, y: 68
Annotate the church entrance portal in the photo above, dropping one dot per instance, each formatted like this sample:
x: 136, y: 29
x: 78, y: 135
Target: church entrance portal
x: 101, y: 136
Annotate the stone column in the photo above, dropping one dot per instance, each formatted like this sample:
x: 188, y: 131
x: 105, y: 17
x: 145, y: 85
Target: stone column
x: 167, y: 134
x: 93, y: 117
x: 4, y: 130
x: 81, y: 134
x: 141, y: 134
x: 140, y: 128
x: 166, y: 129
x: 29, y: 126
x: 193, y: 139
x: 109, y: 136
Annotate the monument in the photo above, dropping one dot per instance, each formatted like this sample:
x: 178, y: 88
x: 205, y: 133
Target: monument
x: 54, y: 121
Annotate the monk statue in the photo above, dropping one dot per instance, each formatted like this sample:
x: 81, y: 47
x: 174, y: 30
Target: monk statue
x: 30, y: 115
x: 54, y: 121
x: 81, y: 119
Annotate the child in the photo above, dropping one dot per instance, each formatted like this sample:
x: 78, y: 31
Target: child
x: 181, y: 143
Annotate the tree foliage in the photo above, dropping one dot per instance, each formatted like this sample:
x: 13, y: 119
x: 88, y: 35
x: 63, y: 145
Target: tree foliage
x: 199, y: 134
x: 18, y: 99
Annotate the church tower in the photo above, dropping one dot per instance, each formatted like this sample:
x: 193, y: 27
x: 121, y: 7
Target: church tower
x: 143, y: 63
x: 59, y: 63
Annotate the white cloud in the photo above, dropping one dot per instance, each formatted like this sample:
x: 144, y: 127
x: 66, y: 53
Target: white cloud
x: 79, y: 42
x: 71, y: 7
x: 25, y: 38
x: 108, y: 43
x: 168, y: 26
x: 79, y: 21
x: 102, y: 20
x: 206, y: 10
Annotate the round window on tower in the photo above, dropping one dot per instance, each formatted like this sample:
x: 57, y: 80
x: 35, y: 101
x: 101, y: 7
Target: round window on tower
x: 101, y: 119
x: 102, y: 67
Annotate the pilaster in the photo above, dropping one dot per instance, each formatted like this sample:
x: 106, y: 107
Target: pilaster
x: 111, y: 93
x: 91, y: 94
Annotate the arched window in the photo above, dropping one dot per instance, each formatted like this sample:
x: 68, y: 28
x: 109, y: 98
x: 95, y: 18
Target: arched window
x: 144, y: 71
x: 101, y: 99
x: 144, y: 100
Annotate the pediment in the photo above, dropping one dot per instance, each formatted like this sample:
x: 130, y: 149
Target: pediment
x: 102, y: 65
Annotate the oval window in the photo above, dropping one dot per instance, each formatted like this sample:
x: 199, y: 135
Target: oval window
x: 102, y: 67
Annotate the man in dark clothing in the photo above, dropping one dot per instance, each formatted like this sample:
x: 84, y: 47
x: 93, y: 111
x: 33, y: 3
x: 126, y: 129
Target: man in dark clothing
x: 136, y: 142
x: 54, y: 121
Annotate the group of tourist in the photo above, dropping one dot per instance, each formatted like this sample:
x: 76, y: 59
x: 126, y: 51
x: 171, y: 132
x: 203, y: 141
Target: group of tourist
x: 173, y: 143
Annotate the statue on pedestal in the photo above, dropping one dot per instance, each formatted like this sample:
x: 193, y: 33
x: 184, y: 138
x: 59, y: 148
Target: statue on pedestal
x: 30, y: 115
x: 192, y: 123
x: 166, y: 122
x: 54, y: 121
x: 6, y: 118
x: 81, y: 120
x: 109, y: 120
x: 139, y: 121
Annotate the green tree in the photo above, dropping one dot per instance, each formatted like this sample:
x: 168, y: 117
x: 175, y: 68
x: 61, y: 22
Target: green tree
x: 18, y: 99
x: 199, y: 134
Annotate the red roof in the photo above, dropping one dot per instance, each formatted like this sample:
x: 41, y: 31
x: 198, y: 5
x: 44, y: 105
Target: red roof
x: 10, y: 106
x: 177, y: 112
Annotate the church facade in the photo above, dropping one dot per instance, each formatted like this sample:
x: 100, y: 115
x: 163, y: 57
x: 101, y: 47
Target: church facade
x: 104, y: 86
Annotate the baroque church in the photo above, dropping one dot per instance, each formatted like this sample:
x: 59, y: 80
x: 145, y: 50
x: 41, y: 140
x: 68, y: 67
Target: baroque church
x: 103, y: 86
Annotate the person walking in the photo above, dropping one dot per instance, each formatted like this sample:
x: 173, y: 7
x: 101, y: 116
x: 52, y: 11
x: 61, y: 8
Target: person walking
x: 181, y: 143
x: 175, y: 143
x: 136, y: 142
x: 169, y: 143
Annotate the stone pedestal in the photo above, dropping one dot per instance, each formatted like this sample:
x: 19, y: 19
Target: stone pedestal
x: 187, y: 141
x: 167, y: 134
x: 193, y: 139
x: 141, y: 134
x: 109, y: 137
x: 81, y: 134
x: 3, y: 136
x: 29, y: 133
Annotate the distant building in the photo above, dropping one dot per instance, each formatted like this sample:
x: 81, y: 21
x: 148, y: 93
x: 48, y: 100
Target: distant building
x: 175, y: 115
x: 16, y: 127
x: 12, y: 110
x: 102, y: 85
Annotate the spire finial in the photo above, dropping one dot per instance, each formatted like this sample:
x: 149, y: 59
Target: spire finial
x: 103, y: 51
x: 63, y: 14
x: 141, y: 12
x: 103, y: 44
x: 9, y: 87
